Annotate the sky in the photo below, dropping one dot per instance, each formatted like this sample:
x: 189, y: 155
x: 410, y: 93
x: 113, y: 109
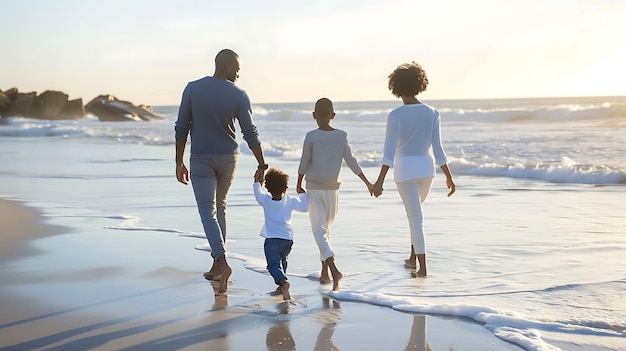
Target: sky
x: 145, y: 51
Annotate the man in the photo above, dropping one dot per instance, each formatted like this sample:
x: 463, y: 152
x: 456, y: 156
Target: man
x: 207, y: 112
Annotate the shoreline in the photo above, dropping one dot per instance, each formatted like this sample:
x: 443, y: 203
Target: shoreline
x: 171, y: 309
x: 21, y: 224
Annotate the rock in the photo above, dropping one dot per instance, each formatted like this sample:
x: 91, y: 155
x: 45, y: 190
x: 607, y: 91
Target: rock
x: 5, y: 104
x: 23, y: 104
x: 146, y: 107
x: 74, y: 109
x: 11, y: 93
x: 107, y: 113
x: 54, y: 105
x: 49, y: 104
x: 110, y: 109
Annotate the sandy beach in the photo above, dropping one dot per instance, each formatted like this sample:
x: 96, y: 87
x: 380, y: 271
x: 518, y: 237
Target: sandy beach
x: 101, y: 248
x: 167, y: 309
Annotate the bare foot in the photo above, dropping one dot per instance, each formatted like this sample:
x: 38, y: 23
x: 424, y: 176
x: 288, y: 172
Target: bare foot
x: 224, y: 280
x: 278, y: 291
x: 421, y: 273
x: 285, y: 289
x: 410, y: 263
x: 336, y: 278
x: 213, y: 273
x: 324, y: 278
x: 211, y: 276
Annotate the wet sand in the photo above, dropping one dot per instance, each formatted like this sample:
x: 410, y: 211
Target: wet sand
x: 124, y: 306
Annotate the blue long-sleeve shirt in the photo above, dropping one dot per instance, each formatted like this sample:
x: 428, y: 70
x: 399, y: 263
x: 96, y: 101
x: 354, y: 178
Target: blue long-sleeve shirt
x: 207, y: 112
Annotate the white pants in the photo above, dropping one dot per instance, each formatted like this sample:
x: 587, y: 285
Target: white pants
x: 322, y: 212
x: 413, y: 193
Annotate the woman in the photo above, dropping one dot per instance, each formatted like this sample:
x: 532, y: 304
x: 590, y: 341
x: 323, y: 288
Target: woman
x: 413, y: 130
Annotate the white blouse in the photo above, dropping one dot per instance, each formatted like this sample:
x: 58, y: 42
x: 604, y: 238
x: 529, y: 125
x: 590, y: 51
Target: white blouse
x: 412, y: 139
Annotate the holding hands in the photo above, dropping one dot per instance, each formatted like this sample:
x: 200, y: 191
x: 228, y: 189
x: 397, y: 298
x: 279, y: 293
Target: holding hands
x: 370, y: 188
x: 377, y: 188
x: 259, y: 176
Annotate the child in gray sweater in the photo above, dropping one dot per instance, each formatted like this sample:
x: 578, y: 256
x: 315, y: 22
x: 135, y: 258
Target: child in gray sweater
x: 323, y: 154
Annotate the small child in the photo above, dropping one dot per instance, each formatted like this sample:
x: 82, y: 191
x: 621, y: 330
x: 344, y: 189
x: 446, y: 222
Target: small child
x: 323, y: 154
x: 277, y: 228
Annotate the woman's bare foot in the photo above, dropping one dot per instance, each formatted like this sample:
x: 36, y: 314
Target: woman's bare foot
x: 410, y: 263
x: 421, y: 258
x: 285, y: 289
x: 225, y: 274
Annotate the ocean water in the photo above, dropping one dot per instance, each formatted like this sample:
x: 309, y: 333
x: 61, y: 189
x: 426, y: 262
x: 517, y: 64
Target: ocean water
x: 531, y: 246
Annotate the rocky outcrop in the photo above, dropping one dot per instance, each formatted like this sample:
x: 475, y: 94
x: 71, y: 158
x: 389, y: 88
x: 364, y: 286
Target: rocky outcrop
x: 5, y: 104
x: 55, y: 105
x: 111, y: 109
x: 74, y: 109
x: 49, y: 104
x: 22, y: 105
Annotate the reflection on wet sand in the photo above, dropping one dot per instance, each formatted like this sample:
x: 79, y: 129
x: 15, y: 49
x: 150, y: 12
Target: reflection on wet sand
x: 279, y: 338
x: 417, y: 339
x: 221, y: 300
x: 220, y: 303
x: 325, y: 337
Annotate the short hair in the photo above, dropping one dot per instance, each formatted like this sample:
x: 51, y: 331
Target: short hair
x: 276, y: 181
x: 324, y: 107
x: 224, y: 57
x: 408, y: 79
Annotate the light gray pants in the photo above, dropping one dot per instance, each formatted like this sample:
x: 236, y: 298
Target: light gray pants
x: 413, y: 193
x: 211, y: 178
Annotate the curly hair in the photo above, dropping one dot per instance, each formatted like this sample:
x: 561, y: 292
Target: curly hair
x: 408, y: 79
x: 276, y: 181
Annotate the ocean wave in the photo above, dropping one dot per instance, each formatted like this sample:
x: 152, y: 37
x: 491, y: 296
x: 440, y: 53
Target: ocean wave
x: 597, y: 110
x: 565, y: 172
x: 143, y: 133
x: 523, y: 332
x: 599, y: 113
x: 474, y: 133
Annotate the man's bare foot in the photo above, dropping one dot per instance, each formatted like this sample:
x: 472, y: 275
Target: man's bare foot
x: 285, y: 289
x: 336, y: 278
x: 213, y: 273
x: 224, y: 280
x: 278, y: 291
x: 324, y: 278
x: 410, y: 263
x: 211, y: 276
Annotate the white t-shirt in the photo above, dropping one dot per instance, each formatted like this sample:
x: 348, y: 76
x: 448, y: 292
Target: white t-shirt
x: 278, y: 213
x: 412, y: 138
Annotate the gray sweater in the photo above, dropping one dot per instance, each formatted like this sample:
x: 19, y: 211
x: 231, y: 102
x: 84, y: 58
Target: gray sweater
x: 208, y: 111
x: 323, y: 154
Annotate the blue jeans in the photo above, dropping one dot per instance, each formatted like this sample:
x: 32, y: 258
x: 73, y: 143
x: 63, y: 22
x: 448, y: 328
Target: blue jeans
x: 211, y: 178
x: 276, y: 252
